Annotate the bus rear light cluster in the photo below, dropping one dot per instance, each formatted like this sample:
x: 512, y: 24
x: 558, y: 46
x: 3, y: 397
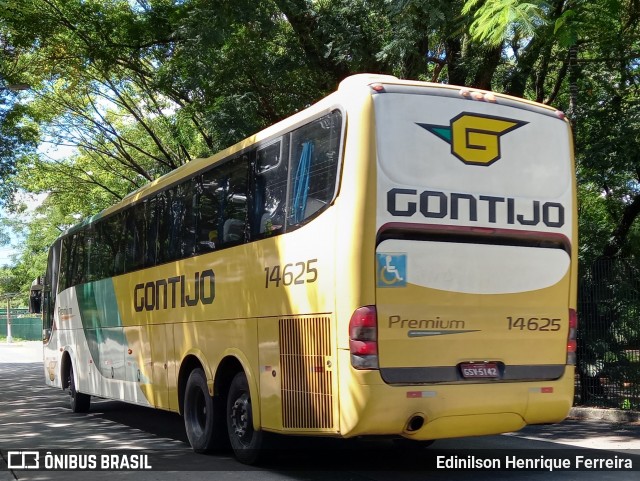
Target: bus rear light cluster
x: 572, y: 342
x: 363, y: 338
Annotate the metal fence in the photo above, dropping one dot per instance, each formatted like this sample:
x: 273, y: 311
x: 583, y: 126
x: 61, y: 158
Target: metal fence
x: 24, y: 327
x: 608, y: 373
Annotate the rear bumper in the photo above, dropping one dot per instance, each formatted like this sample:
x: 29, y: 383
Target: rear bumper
x: 371, y: 407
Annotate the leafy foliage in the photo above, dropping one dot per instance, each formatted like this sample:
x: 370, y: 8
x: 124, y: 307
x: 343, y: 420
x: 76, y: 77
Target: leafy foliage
x: 497, y: 20
x: 16, y: 140
x: 131, y: 89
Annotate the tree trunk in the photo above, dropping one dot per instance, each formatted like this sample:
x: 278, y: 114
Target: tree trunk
x: 487, y: 68
x: 457, y: 74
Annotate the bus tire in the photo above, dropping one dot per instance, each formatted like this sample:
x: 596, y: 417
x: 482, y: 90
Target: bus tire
x: 202, y: 414
x: 78, y: 402
x: 246, y: 442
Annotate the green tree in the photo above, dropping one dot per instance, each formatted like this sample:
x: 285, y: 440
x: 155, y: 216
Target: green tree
x: 137, y: 88
x: 16, y: 140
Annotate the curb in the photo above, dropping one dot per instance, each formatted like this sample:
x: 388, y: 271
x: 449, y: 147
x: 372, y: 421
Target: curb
x: 616, y: 416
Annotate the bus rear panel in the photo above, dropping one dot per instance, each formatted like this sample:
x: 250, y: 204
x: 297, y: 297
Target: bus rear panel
x: 474, y: 317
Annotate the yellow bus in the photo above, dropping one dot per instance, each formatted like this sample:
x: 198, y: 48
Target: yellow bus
x: 398, y: 259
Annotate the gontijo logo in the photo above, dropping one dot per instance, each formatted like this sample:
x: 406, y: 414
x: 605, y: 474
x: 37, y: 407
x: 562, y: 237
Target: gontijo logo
x: 474, y: 138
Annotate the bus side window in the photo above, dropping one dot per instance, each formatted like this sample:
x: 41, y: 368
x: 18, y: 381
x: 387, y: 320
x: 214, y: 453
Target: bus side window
x: 315, y: 152
x: 181, y: 220
x: 78, y: 259
x: 91, y: 264
x: 101, y: 257
x: 50, y: 288
x: 65, y: 264
x: 234, y: 201
x: 135, y: 238
x: 173, y: 217
x: 208, y: 213
x: 175, y: 210
x: 151, y: 240
x: 114, y: 236
x: 270, y: 189
x: 176, y: 222
x: 188, y: 193
x: 223, y: 205
x: 163, y: 220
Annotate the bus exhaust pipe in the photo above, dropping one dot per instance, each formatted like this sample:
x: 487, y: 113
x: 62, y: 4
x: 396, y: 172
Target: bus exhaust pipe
x: 415, y: 423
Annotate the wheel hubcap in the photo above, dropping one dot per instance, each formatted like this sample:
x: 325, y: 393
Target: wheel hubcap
x: 241, y: 417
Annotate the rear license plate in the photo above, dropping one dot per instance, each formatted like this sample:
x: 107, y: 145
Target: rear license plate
x: 474, y: 370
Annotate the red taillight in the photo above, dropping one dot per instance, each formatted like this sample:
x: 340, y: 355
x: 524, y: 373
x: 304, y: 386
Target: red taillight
x: 573, y: 323
x: 363, y: 348
x: 572, y: 343
x: 363, y: 338
x: 364, y: 324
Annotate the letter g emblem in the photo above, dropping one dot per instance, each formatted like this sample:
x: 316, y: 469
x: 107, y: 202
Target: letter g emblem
x: 474, y: 138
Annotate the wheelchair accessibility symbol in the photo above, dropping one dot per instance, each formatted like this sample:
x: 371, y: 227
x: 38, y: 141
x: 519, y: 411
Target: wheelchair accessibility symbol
x: 392, y: 270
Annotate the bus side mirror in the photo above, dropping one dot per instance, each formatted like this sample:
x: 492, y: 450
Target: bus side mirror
x: 35, y: 297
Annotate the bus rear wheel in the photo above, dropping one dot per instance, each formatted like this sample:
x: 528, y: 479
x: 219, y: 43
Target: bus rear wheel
x: 78, y: 402
x: 246, y: 442
x: 203, y: 415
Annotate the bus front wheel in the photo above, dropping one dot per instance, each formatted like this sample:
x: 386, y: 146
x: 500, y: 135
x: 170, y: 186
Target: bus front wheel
x: 78, y: 402
x: 246, y: 442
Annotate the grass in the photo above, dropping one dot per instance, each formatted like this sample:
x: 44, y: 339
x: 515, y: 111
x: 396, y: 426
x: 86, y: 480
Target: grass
x: 15, y: 339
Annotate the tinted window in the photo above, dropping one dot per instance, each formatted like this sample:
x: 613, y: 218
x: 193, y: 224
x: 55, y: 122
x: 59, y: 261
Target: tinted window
x: 223, y: 205
x: 270, y: 193
x: 295, y: 177
x: 93, y: 267
x: 112, y: 233
x: 208, y: 214
x: 174, y: 210
x: 50, y: 288
x: 151, y: 241
x: 77, y: 264
x: 314, y: 165
x: 186, y: 213
x: 135, y: 234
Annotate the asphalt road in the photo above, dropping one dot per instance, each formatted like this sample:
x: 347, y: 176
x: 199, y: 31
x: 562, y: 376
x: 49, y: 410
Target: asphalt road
x: 35, y: 417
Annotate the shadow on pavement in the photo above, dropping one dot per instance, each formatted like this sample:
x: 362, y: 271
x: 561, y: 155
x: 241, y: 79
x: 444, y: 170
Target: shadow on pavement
x: 587, y: 433
x: 34, y: 416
